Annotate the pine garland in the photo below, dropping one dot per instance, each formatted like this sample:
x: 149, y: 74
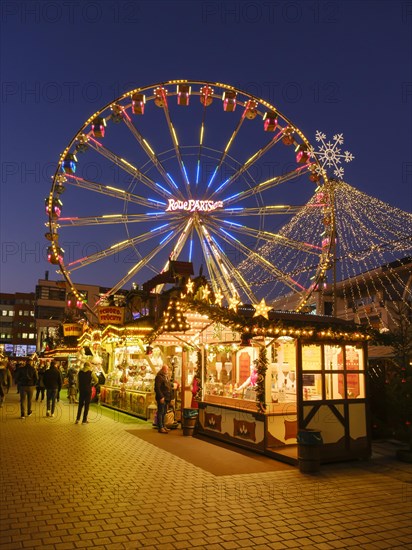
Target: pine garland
x: 262, y: 366
x: 198, y: 377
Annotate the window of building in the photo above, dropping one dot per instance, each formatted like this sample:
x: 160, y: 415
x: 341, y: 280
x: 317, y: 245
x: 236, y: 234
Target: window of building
x: 50, y: 293
x: 55, y: 313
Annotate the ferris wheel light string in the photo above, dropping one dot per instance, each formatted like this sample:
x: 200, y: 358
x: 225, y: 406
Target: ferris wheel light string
x: 172, y: 181
x: 185, y: 173
x: 213, y: 177
x: 164, y: 189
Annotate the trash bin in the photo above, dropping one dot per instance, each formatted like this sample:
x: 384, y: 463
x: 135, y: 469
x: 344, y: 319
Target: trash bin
x: 309, y: 443
x: 189, y: 421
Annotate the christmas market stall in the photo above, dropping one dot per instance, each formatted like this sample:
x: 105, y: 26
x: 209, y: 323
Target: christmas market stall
x: 264, y: 378
x: 129, y: 366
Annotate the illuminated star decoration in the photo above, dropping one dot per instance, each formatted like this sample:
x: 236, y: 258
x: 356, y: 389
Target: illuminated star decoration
x: 329, y: 154
x: 233, y: 303
x: 218, y: 298
x: 262, y: 309
x: 189, y: 286
x: 205, y: 293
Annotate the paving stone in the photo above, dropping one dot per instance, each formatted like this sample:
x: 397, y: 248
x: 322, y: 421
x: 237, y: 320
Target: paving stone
x: 125, y: 493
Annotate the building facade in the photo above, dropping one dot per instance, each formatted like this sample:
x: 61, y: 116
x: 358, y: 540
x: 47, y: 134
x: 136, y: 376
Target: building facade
x: 55, y: 303
x: 17, y: 324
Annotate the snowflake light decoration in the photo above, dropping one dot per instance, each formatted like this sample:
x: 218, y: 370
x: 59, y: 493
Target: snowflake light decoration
x: 329, y: 154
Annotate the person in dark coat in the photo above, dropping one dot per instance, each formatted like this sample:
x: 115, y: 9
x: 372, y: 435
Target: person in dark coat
x: 163, y: 391
x: 26, y: 380
x: 85, y: 380
x: 40, y: 389
x: 5, y: 381
x: 52, y: 380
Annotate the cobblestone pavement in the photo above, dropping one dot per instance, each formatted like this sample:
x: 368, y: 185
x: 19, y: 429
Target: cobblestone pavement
x: 67, y: 486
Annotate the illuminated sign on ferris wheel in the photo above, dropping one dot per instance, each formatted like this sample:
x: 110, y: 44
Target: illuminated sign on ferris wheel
x: 192, y: 205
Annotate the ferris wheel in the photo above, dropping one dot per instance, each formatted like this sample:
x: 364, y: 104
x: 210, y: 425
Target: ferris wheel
x: 193, y: 171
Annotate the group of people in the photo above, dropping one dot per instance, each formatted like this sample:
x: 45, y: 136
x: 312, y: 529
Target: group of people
x: 49, y: 381
x: 27, y: 378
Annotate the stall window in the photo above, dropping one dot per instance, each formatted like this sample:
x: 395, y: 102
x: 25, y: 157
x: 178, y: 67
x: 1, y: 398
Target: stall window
x: 355, y: 378
x: 312, y: 386
x: 311, y: 376
x: 312, y: 357
x: 344, y: 376
x: 226, y: 370
x: 335, y: 386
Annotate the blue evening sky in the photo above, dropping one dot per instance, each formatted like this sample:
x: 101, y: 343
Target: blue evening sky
x: 336, y: 66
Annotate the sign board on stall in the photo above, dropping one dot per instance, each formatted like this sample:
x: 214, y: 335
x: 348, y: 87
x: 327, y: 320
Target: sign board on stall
x: 72, y: 329
x: 111, y: 315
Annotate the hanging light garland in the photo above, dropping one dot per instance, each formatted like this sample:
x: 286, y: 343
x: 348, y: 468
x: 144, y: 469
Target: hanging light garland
x: 372, y: 239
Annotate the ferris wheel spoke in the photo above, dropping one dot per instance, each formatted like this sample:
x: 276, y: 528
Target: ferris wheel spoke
x: 110, y: 219
x: 259, y: 210
x: 260, y: 260
x: 226, y: 267
x: 175, y: 141
x: 153, y: 157
x: 265, y: 185
x: 247, y: 165
x: 226, y: 150
x: 208, y: 258
x: 270, y: 237
x: 177, y: 249
x: 127, y: 167
x: 217, y: 278
x: 118, y: 247
x: 141, y: 264
x: 202, y: 131
x: 114, y: 192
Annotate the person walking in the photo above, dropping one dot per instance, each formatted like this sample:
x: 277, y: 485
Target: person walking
x: 163, y: 392
x: 52, y: 380
x: 72, y: 384
x: 85, y: 380
x: 5, y: 381
x: 40, y: 389
x: 18, y: 366
x: 26, y: 380
x: 59, y: 368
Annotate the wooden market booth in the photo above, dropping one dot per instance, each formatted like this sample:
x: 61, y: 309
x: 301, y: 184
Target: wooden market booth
x: 310, y: 374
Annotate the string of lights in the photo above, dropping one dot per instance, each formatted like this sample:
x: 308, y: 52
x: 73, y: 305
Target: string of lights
x: 373, y: 240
